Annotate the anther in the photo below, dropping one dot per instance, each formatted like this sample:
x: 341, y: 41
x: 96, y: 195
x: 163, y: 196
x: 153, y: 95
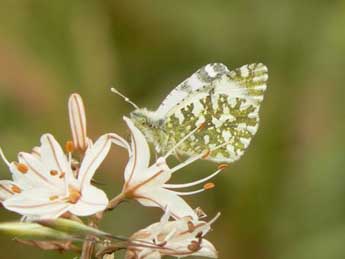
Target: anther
x: 62, y: 175
x: 22, y: 168
x: 53, y: 172
x: 209, y: 186
x: 69, y: 146
x: 74, y: 195
x: 16, y: 189
x: 53, y: 198
x: 222, y: 166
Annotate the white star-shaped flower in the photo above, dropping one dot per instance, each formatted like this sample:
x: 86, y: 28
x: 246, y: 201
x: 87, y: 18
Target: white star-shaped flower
x: 148, y: 183
x: 179, y: 238
x: 47, y: 182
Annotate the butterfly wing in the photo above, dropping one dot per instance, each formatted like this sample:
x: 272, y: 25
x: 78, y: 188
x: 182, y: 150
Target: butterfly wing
x: 226, y: 102
x: 200, y: 80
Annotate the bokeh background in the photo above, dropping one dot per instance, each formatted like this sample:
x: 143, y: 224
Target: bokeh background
x: 285, y: 199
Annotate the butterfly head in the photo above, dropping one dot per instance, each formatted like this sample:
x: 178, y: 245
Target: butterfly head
x: 147, y: 122
x: 140, y: 117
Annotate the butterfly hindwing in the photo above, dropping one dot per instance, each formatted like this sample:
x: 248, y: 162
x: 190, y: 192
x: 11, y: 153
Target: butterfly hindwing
x: 227, y: 104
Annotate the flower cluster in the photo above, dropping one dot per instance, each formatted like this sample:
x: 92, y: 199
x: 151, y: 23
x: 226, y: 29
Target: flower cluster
x: 53, y: 182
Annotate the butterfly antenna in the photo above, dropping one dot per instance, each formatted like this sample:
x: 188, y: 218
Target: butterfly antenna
x: 114, y: 90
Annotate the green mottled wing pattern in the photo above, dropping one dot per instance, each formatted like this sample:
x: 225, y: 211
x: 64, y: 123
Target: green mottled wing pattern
x: 226, y: 102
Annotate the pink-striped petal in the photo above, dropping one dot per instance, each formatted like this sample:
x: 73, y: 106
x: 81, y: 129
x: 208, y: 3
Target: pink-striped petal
x: 139, y: 148
x: 38, y: 202
x: 159, y: 197
x: 94, y: 156
x: 6, y: 189
x: 77, y: 120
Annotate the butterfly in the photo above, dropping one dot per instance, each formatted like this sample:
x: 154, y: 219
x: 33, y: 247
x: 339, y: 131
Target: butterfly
x: 225, y: 103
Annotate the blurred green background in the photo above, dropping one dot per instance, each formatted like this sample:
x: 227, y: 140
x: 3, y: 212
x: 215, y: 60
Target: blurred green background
x: 285, y: 199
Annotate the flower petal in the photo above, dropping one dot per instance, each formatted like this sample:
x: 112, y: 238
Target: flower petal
x: 158, y: 197
x: 207, y: 250
x: 37, y: 202
x: 53, y: 156
x: 92, y: 200
x: 5, y: 189
x: 38, y: 173
x: 139, y: 148
x: 94, y: 156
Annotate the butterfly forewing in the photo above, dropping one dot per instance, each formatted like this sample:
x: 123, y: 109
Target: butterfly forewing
x: 197, y: 84
x: 225, y: 102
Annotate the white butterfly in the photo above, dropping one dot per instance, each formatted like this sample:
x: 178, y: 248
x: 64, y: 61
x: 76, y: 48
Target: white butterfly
x: 226, y: 104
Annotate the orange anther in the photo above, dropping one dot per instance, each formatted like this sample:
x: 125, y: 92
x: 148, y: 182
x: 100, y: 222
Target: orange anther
x: 202, y: 125
x: 16, y: 189
x: 62, y: 175
x: 209, y: 186
x: 207, y: 153
x: 54, y: 197
x: 74, y: 195
x: 222, y: 166
x: 22, y: 168
x: 53, y: 172
x: 69, y: 146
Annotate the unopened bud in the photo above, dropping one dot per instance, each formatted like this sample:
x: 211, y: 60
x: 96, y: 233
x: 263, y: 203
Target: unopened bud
x: 77, y: 120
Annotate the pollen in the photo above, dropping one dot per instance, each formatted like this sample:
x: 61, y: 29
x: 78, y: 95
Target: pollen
x: 74, y: 194
x: 53, y: 172
x: 53, y: 198
x: 69, y: 146
x: 222, y: 166
x: 16, y: 189
x: 22, y: 168
x: 209, y: 186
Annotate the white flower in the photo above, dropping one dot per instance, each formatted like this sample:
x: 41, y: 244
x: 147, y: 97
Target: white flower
x: 148, y: 184
x: 46, y: 187
x: 179, y: 238
x: 47, y: 182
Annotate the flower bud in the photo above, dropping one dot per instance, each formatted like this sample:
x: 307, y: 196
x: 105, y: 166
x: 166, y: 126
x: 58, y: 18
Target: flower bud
x: 77, y: 120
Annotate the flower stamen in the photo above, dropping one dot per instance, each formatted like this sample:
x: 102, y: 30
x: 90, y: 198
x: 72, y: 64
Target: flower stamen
x: 209, y: 186
x: 16, y: 189
x: 53, y: 172
x: 222, y: 166
x: 186, y: 185
x: 69, y: 146
x: 22, y: 168
x: 74, y: 195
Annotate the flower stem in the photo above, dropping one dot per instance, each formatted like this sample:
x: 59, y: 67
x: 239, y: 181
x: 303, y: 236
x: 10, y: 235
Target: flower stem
x: 89, y: 244
x: 116, y: 201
